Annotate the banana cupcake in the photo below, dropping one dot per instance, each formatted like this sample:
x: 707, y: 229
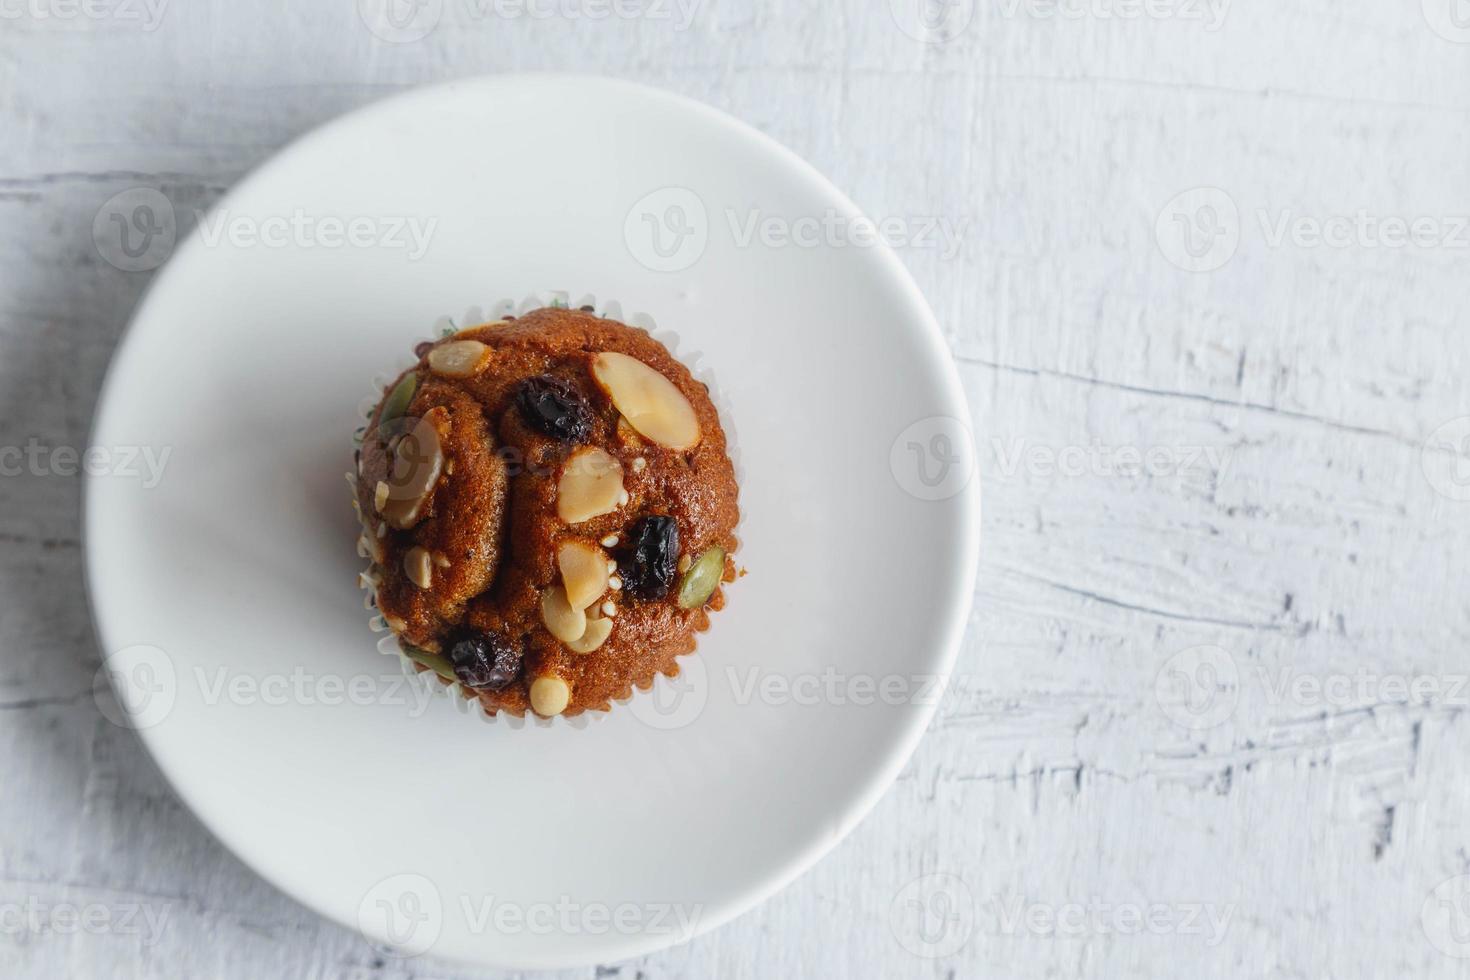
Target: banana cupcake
x: 550, y: 510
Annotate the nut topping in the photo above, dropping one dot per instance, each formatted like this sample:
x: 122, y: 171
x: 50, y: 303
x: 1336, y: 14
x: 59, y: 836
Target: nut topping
x: 648, y: 400
x: 591, y: 482
x: 550, y: 695
x: 583, y: 572
x: 417, y: 461
x: 597, y: 633
x: 418, y: 566
x: 459, y: 358
x: 564, y: 622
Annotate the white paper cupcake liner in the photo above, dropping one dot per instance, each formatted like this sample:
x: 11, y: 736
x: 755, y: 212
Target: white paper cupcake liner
x: 388, y: 643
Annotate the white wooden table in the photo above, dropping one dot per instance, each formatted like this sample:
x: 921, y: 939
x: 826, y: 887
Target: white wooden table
x: 1206, y: 283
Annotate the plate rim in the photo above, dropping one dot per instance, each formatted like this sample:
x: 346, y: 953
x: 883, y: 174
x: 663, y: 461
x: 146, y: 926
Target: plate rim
x: 957, y: 605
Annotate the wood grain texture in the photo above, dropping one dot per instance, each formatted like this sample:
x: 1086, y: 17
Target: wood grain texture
x: 1292, y: 521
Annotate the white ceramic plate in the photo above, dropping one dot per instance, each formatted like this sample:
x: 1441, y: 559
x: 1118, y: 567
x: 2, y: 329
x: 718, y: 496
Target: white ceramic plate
x: 225, y: 596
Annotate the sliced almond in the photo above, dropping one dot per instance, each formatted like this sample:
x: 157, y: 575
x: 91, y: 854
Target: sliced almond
x: 418, y: 566
x: 596, y: 634
x: 418, y: 460
x: 590, y: 485
x: 564, y: 622
x: 627, y: 435
x: 583, y: 572
x: 380, y: 496
x: 459, y: 358
x: 373, y: 546
x: 648, y: 400
x: 550, y: 695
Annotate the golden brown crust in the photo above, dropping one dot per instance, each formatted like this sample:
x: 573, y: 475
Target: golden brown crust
x: 492, y: 526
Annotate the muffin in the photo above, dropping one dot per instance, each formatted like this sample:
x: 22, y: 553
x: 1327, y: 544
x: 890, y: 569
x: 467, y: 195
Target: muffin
x: 550, y: 510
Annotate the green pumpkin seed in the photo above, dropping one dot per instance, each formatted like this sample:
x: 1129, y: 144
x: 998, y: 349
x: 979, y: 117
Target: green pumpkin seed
x: 438, y: 664
x: 397, y: 401
x: 700, y: 582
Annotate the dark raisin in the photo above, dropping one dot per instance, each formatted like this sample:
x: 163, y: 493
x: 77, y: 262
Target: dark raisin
x: 554, y: 407
x: 484, y: 660
x: 647, y: 568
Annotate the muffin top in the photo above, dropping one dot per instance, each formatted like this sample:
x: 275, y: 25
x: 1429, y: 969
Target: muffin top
x: 550, y: 510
